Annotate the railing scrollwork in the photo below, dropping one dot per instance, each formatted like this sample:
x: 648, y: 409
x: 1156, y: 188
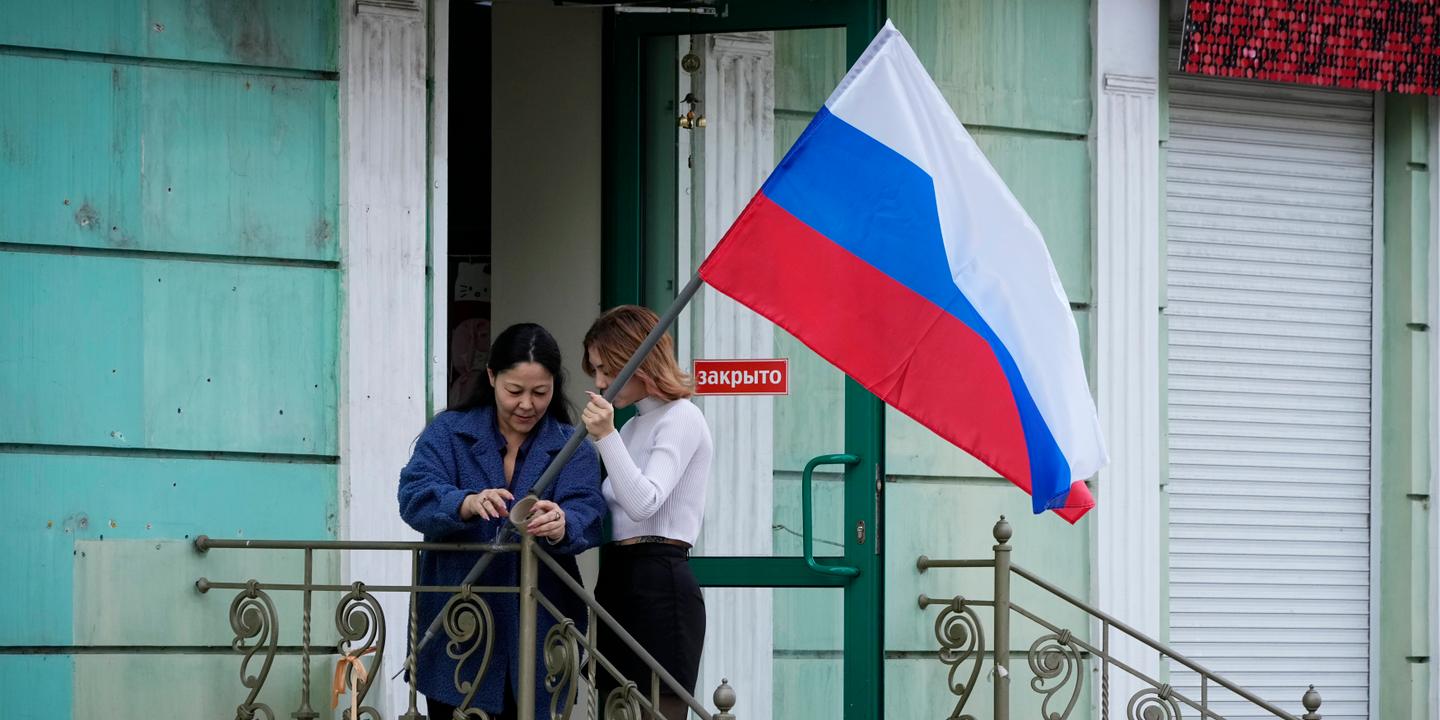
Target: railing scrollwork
x: 470, y: 627
x: 961, y: 637
x: 1055, y: 663
x: 1153, y: 704
x: 361, y: 624
x: 562, y: 668
x: 623, y: 703
x: 257, y: 628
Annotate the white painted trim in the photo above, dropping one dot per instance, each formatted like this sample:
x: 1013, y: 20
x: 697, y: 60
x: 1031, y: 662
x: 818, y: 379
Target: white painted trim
x: 685, y: 214
x: 1131, y: 84
x: 1127, y: 577
x: 736, y: 152
x: 1377, y: 300
x: 439, y: 179
x: 397, y: 8
x: 342, y: 409
x: 383, y: 213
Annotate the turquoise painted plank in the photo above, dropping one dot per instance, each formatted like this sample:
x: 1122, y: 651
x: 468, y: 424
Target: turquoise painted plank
x: 122, y: 352
x: 809, y: 620
x: 274, y: 33
x: 808, y: 66
x: 809, y: 421
x: 1051, y: 178
x: 78, y: 386
x: 132, y: 157
x: 917, y: 688
x: 142, y: 592
x: 827, y: 508
x: 1017, y: 64
x: 807, y: 688
x: 1022, y: 64
x: 37, y: 687
x: 953, y: 519
x: 912, y: 450
x: 788, y: 127
x: 144, y: 687
x: 58, y: 500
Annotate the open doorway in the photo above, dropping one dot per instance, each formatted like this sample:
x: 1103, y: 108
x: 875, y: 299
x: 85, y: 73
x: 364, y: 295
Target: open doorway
x: 525, y: 98
x: 468, y: 297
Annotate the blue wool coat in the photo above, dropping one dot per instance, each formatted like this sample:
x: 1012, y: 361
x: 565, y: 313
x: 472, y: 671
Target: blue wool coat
x: 462, y: 453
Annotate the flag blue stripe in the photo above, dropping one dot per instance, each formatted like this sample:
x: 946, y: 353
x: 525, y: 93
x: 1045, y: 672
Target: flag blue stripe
x: 881, y: 207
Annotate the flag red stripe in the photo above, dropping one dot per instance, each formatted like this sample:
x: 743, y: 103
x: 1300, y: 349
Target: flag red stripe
x: 899, y: 345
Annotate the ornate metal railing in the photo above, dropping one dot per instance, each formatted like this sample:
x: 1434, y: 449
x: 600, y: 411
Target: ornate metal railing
x: 468, y: 628
x: 1058, y: 658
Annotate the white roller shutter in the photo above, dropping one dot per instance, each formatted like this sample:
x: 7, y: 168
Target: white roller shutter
x: 1269, y: 201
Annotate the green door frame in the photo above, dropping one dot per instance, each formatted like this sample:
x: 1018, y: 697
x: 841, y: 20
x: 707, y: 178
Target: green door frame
x: 627, y: 277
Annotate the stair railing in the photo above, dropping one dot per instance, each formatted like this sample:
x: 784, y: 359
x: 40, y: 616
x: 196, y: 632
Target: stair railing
x: 468, y: 630
x: 1057, y: 659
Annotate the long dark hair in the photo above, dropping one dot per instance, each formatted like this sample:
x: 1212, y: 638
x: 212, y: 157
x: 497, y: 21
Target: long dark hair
x: 523, y: 342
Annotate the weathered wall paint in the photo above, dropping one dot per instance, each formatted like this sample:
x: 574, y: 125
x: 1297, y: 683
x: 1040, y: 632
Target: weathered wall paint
x: 128, y: 352
x: 923, y: 521
x: 915, y: 688
x: 153, y: 574
x: 292, y: 34
x: 142, y: 687
x: 1021, y: 66
x: 63, y: 501
x: 1018, y: 75
x: 169, y: 247
x: 385, y: 310
x: 119, y: 156
x: 37, y: 687
x: 1405, y: 453
x: 1434, y: 312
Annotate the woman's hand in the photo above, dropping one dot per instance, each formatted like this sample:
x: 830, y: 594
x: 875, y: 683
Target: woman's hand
x: 598, y: 416
x: 547, y: 520
x: 488, y: 504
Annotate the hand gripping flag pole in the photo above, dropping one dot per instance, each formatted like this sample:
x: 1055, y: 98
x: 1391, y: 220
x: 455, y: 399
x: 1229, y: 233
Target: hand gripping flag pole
x: 521, y: 510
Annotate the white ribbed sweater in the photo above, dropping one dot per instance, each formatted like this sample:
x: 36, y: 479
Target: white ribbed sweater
x: 657, y: 467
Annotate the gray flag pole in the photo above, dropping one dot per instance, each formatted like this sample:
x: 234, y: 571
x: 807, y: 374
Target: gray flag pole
x: 521, y: 510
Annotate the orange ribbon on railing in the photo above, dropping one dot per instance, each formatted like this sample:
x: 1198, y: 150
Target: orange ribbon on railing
x: 357, y: 674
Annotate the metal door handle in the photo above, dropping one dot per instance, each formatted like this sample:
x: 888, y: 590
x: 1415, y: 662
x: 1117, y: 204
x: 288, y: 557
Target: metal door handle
x: 807, y: 515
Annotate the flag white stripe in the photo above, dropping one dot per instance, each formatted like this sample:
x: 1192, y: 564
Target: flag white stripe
x: 997, y: 256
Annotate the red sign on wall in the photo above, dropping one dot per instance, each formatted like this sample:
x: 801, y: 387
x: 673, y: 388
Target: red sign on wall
x: 742, y: 377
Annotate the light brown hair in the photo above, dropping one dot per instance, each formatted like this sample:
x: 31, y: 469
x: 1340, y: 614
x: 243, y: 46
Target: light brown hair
x: 618, y: 333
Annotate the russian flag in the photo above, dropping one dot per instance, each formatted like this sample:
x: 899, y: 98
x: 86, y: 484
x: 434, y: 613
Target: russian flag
x: 887, y: 243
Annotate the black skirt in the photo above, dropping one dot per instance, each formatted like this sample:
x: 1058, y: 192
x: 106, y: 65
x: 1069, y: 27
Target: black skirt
x: 649, y: 589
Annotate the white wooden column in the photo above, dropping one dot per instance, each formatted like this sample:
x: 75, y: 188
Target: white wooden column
x: 438, y: 180
x: 383, y: 350
x: 738, y: 94
x: 1128, y: 563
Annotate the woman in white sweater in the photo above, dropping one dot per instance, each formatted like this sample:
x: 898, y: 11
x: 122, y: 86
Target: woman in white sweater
x: 657, y: 467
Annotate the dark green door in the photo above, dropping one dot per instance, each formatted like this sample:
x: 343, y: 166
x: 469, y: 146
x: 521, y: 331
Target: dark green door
x: 790, y: 553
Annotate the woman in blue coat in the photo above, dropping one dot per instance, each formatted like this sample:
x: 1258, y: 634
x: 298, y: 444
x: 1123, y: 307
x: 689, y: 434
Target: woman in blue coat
x: 470, y: 464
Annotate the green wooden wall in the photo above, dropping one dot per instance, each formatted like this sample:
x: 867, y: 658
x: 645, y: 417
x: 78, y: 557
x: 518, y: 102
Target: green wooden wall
x: 169, y: 278
x: 1403, y: 682
x: 1018, y: 75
